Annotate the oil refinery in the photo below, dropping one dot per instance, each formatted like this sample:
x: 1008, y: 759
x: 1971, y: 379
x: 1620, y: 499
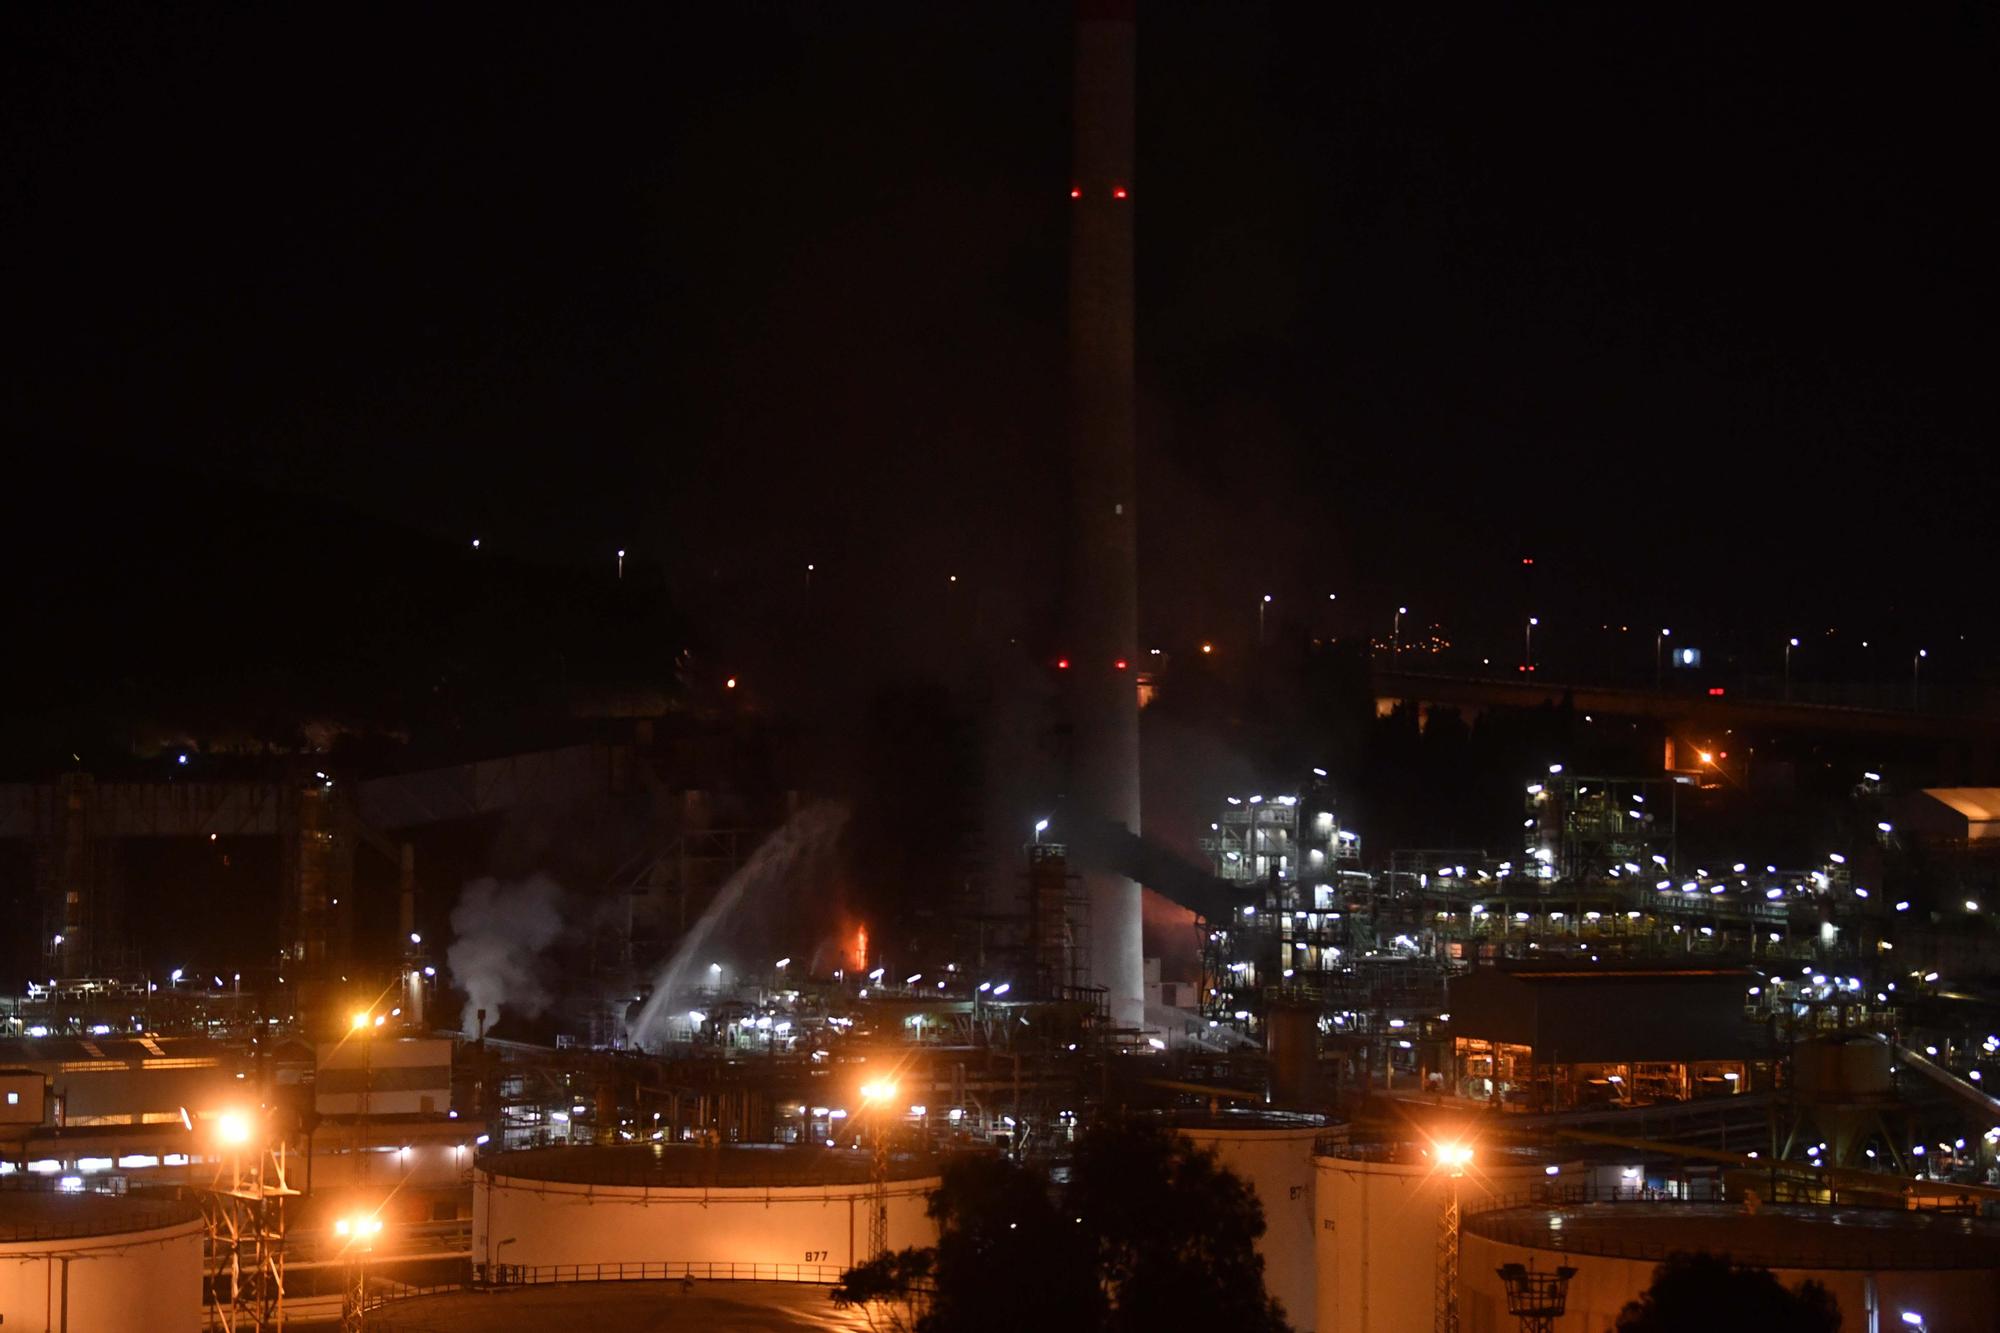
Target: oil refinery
x: 612, y: 946
x: 1429, y: 1065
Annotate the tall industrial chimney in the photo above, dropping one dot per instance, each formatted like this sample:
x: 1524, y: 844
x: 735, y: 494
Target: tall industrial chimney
x: 1104, y: 591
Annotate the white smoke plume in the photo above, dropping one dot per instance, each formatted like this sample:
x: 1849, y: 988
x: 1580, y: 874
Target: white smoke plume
x: 500, y: 929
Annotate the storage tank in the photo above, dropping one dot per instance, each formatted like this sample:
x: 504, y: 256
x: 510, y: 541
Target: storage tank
x: 682, y: 1203
x: 104, y: 1262
x: 1377, y: 1207
x: 1881, y: 1264
x: 1842, y: 1086
x: 1273, y: 1150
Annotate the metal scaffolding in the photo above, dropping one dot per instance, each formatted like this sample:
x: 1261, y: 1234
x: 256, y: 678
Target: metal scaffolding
x: 245, y: 1212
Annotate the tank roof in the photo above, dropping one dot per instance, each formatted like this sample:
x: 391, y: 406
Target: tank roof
x: 1776, y: 1236
x: 1264, y: 1119
x: 1417, y: 1152
x: 692, y: 1166
x: 43, y: 1214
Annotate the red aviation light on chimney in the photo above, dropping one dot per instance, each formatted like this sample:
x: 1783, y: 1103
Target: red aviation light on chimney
x: 1120, y: 193
x: 1075, y: 193
x: 1062, y: 664
x: 1120, y: 664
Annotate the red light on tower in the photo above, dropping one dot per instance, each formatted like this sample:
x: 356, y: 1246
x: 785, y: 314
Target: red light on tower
x: 1062, y: 664
x: 1120, y: 664
x: 1119, y: 193
x: 1075, y: 193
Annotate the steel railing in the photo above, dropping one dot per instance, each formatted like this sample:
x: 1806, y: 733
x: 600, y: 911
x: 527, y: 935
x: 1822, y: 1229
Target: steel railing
x: 1487, y: 1217
x: 523, y: 1275
x: 130, y: 1214
x: 493, y: 1276
x: 794, y: 1168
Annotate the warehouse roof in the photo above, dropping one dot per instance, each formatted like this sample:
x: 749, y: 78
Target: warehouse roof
x: 88, y: 1053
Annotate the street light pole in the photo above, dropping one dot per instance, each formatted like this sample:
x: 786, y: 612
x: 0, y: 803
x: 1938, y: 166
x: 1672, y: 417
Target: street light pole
x: 875, y: 1103
x: 1917, y: 678
x: 1659, y: 659
x: 1260, y: 618
x: 1789, y: 645
x: 1396, y: 633
x: 359, y: 1232
x: 1453, y: 1158
x: 1528, y: 648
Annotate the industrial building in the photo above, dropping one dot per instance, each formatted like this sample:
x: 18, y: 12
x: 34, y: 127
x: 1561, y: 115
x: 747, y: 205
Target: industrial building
x: 1556, y: 1038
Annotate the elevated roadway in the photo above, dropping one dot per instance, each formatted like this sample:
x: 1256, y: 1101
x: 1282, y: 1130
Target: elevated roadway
x: 1702, y: 713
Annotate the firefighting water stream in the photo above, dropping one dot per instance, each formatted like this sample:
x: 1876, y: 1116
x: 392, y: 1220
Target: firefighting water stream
x: 789, y: 856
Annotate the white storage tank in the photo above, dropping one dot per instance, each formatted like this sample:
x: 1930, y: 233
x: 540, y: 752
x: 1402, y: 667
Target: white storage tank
x: 1377, y: 1207
x: 680, y: 1203
x: 1273, y: 1151
x: 104, y: 1262
x: 1882, y: 1265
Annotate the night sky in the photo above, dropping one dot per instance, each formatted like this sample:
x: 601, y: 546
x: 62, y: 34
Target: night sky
x: 1694, y: 310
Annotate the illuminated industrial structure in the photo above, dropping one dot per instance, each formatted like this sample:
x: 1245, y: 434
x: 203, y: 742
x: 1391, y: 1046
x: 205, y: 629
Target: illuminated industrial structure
x: 1294, y: 882
x: 244, y: 1206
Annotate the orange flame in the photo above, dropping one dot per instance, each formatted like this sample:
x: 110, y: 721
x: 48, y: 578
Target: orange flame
x: 860, y: 958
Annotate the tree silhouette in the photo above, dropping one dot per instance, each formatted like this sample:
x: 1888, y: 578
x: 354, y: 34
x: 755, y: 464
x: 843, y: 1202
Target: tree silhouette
x: 1149, y: 1233
x: 1707, y: 1293
x: 1173, y: 1230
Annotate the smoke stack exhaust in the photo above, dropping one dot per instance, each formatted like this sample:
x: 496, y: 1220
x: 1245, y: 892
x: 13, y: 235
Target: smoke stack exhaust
x: 1104, y: 592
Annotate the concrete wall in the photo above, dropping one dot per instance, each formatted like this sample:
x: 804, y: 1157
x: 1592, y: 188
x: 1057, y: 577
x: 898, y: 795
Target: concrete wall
x: 1951, y: 1301
x: 581, y: 1224
x: 130, y: 1282
x: 1278, y: 1163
